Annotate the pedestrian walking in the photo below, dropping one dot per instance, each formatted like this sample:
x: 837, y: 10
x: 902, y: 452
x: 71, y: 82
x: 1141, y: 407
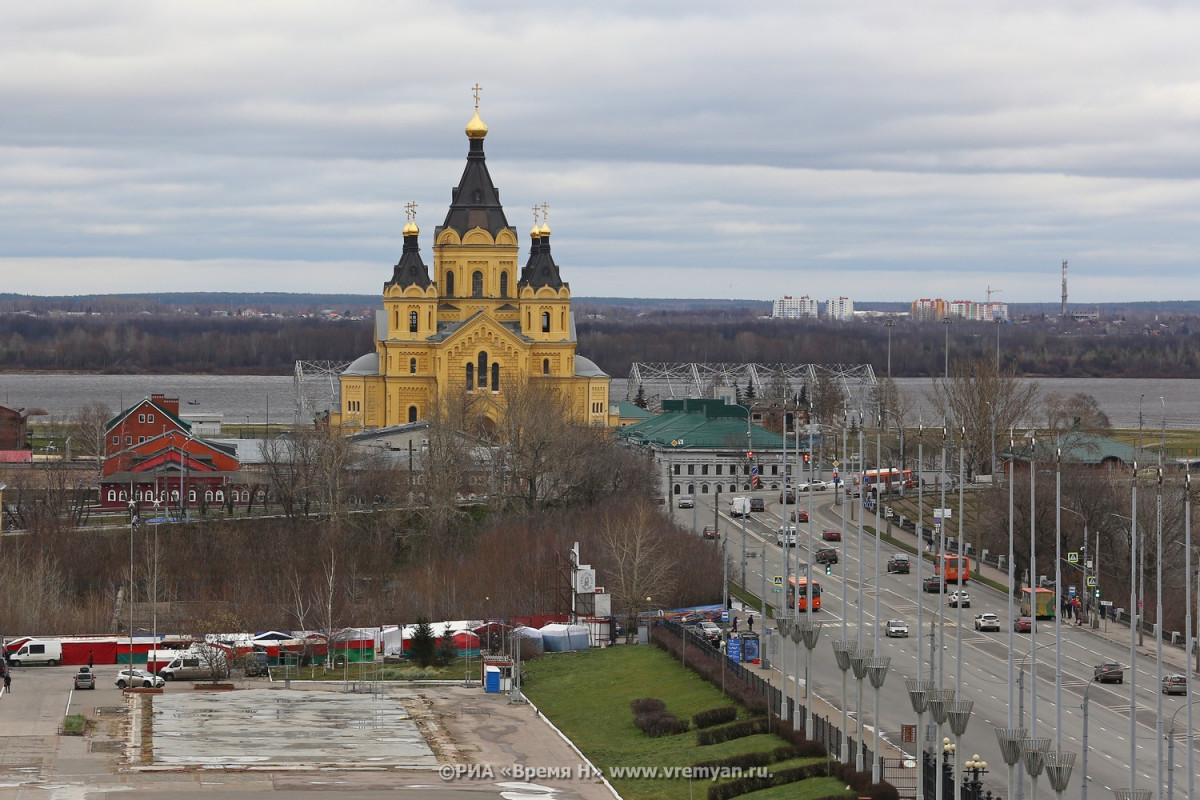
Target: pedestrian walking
x: 735, y: 620
x: 91, y: 658
x: 750, y: 623
x: 8, y: 683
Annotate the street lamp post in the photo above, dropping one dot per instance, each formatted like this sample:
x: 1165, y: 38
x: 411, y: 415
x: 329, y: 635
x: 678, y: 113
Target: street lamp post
x: 133, y: 524
x: 154, y: 590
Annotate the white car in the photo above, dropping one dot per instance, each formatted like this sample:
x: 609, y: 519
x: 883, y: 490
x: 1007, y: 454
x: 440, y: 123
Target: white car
x: 138, y: 678
x: 959, y: 599
x: 687, y: 501
x: 987, y: 622
x: 816, y: 486
x: 896, y: 627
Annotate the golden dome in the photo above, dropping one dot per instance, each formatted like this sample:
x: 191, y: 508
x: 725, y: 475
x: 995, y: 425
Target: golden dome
x: 545, y: 229
x: 475, y: 128
x: 535, y: 231
x: 410, y: 229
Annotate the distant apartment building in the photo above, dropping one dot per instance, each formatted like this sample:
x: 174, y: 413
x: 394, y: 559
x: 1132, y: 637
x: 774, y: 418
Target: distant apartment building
x: 841, y: 309
x: 788, y: 307
x: 933, y: 310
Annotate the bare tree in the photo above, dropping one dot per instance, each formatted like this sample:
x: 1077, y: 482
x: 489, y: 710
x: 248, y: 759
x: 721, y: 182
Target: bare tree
x: 981, y: 400
x: 1076, y: 412
x: 643, y: 566
x: 89, y: 430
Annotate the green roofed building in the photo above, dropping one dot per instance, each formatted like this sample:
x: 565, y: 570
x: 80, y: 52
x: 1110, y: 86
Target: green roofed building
x: 704, y: 446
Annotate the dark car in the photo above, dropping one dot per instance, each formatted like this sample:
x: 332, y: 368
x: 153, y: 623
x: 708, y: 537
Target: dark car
x: 787, y: 497
x: 757, y: 504
x: 799, y: 515
x: 1174, y: 684
x: 899, y: 564
x: 831, y: 536
x: 710, y: 531
x: 1109, y: 673
x: 826, y: 555
x: 934, y: 584
x: 85, y: 678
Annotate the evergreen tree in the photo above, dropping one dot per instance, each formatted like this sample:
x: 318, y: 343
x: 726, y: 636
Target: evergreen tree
x: 447, y: 650
x: 750, y: 389
x: 421, y: 647
x: 640, y: 399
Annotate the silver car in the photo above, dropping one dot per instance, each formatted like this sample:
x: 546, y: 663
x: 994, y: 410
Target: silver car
x: 138, y: 679
x: 897, y: 627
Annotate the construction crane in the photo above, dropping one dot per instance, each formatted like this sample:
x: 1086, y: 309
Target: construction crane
x: 990, y: 292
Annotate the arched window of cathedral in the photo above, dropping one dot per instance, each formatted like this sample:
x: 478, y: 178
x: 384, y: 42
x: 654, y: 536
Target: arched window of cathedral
x: 545, y: 322
x: 449, y: 284
x: 470, y: 377
x: 504, y: 284
x: 477, y: 284
x: 545, y: 366
x: 483, y: 370
x: 412, y: 366
x: 412, y: 413
x: 495, y: 376
x: 412, y: 322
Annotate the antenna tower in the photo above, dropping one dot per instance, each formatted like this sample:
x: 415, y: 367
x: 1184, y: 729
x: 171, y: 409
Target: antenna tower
x: 1064, y: 296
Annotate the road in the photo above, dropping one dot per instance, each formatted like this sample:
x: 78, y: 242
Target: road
x: 975, y: 663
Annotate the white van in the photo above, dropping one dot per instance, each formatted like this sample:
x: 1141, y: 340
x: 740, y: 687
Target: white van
x: 194, y: 665
x: 739, y: 507
x: 37, y: 651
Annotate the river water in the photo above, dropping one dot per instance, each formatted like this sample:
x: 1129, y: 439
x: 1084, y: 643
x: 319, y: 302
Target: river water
x: 258, y: 399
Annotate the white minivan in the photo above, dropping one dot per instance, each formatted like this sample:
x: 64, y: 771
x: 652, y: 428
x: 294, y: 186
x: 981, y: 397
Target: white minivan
x: 37, y: 651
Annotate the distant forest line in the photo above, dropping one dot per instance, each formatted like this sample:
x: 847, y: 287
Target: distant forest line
x: 150, y: 334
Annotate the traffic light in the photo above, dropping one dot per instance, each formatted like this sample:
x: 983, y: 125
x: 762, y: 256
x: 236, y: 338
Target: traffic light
x: 806, y: 458
x: 1097, y: 592
x: 828, y: 569
x: 749, y: 454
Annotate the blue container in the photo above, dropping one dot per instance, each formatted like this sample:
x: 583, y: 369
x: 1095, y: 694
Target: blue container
x: 491, y: 680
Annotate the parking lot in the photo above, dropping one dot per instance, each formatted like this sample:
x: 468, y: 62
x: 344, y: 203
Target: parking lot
x: 264, y: 737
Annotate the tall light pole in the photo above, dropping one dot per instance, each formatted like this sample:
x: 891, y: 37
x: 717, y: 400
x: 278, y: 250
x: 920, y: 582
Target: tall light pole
x: 133, y: 524
x: 1010, y: 738
x: 946, y: 322
x: 154, y: 590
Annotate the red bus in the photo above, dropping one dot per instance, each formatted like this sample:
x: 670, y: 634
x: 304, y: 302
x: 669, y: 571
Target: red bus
x: 952, y: 569
x: 802, y: 589
x: 892, y: 480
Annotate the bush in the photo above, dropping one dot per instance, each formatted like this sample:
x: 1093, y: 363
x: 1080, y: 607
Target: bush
x: 734, y: 730
x: 715, y: 716
x: 647, y: 705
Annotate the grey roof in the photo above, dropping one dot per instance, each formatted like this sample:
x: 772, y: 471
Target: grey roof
x: 364, y: 365
x: 475, y: 202
x: 410, y: 270
x: 585, y: 368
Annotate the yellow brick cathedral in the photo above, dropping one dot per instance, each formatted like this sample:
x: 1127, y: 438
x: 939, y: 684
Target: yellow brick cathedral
x: 481, y: 325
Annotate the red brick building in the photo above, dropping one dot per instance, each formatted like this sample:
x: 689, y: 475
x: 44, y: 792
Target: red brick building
x: 14, y: 432
x: 152, y: 461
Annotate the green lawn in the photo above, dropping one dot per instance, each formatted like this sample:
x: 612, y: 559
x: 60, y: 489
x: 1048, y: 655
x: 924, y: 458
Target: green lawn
x: 587, y: 695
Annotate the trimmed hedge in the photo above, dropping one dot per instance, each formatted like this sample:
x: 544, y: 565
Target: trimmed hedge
x: 715, y: 716
x: 734, y: 730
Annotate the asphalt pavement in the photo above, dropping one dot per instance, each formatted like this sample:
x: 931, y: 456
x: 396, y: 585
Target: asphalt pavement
x: 444, y: 741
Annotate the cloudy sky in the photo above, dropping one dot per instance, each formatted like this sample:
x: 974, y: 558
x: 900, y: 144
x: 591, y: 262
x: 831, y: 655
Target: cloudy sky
x: 880, y: 150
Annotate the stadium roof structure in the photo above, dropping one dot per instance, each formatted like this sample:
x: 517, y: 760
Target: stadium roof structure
x: 662, y: 381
